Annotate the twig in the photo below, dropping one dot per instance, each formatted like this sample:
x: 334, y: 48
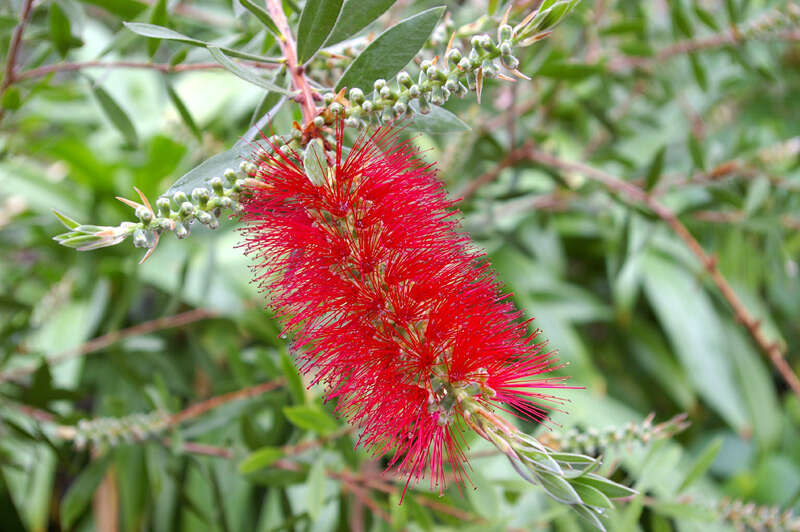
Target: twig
x: 101, y: 342
x: 202, y: 407
x: 288, y: 47
x: 511, y: 158
x: 771, y: 349
x: 161, y: 67
x: 686, y: 46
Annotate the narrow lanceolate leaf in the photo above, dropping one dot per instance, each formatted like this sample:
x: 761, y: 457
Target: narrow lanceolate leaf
x: 183, y: 111
x: 243, y: 72
x: 655, y: 169
x: 308, y: 417
x: 609, y: 488
x: 702, y: 464
x: 316, y: 488
x: 158, y: 16
x: 391, y: 51
x: 316, y: 22
x: 159, y: 32
x: 115, y: 114
x: 80, y: 493
x: 261, y: 14
x: 355, y: 16
x: 60, y: 29
x: 264, y: 457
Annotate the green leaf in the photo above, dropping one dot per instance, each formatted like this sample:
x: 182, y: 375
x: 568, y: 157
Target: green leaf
x: 655, y: 169
x: 264, y: 457
x: 437, y: 120
x: 592, y: 496
x: 315, y: 163
x: 261, y: 14
x: 483, y: 498
x: 186, y: 116
x: 243, y: 72
x: 293, y: 380
x: 311, y: 418
x: 115, y: 114
x: 158, y: 17
x: 355, y: 16
x: 558, y: 487
x: 316, y: 488
x: 705, y: 16
x: 159, y: 32
x: 680, y: 22
x: 609, y: 488
x: 698, y: 71
x: 12, y: 99
x: 80, y: 492
x: 697, y: 153
x: 60, y: 29
x: 757, y: 193
x: 68, y: 222
x: 316, y: 22
x: 124, y: 9
x: 697, y: 337
x: 702, y: 464
x: 391, y: 51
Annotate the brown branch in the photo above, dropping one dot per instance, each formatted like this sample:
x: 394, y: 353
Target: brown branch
x: 514, y: 156
x: 719, y: 40
x: 771, y: 349
x: 101, y: 342
x: 13, y: 49
x: 166, y: 68
x: 289, y: 49
x: 202, y: 407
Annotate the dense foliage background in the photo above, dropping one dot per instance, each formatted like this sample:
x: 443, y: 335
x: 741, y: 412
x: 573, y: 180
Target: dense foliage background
x: 692, y: 101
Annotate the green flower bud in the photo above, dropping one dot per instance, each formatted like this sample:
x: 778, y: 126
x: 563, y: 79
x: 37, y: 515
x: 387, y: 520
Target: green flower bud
x: 505, y: 48
x: 356, y: 95
x: 225, y: 202
x: 453, y: 56
x: 386, y: 93
x: 140, y: 239
x: 413, y: 91
x: 336, y: 108
x: 319, y: 121
x: 229, y: 175
x: 379, y: 84
x: 399, y: 108
x: 328, y: 98
x: 367, y: 107
x: 144, y: 214
x: 187, y: 209
x: 505, y: 32
x: 179, y: 197
x: 163, y: 206
x: 201, y: 195
x: 352, y: 122
x: 404, y: 79
x: 465, y: 64
x: 216, y: 186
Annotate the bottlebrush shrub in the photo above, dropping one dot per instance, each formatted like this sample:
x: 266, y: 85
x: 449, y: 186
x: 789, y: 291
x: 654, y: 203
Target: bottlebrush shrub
x: 392, y: 309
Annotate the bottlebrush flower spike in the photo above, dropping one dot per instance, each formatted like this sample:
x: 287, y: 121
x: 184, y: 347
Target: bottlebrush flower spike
x: 396, y: 314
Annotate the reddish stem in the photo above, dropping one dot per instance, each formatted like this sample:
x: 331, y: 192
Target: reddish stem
x: 289, y: 49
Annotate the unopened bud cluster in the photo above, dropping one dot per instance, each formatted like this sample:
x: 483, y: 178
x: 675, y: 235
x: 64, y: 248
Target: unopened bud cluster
x: 748, y: 516
x: 594, y: 441
x: 176, y: 213
x: 109, y: 431
x: 458, y: 74
x: 777, y: 19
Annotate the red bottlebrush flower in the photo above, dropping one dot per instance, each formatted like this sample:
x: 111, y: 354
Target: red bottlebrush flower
x: 390, y: 308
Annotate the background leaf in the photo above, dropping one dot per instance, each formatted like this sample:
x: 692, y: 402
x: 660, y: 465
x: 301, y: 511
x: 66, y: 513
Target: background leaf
x: 390, y: 51
x: 316, y: 22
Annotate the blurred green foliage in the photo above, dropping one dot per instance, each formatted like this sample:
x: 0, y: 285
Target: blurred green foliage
x: 694, y: 100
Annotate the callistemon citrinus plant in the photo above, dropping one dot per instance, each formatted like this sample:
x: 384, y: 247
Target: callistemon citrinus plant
x: 395, y: 312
